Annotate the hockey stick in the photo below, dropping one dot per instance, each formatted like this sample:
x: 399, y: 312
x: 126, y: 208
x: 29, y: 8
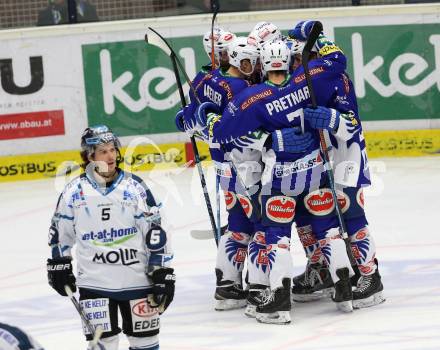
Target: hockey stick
x: 206, y: 234
x: 215, y: 8
x: 95, y: 332
x: 154, y: 38
x: 313, y: 36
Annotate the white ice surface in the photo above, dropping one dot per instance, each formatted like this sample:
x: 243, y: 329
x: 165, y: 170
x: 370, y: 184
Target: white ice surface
x: 404, y: 213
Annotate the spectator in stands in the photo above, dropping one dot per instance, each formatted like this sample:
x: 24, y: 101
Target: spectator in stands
x: 67, y: 11
x: 86, y: 12
x: 54, y: 13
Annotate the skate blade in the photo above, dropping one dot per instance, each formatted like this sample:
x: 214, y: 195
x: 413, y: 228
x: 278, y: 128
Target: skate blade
x: 279, y: 317
x: 250, y: 311
x: 229, y: 304
x: 373, y: 300
x: 345, y: 306
x: 305, y: 298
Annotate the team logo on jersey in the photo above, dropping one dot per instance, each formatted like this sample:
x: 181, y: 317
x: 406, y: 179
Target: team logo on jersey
x: 142, y: 309
x: 241, y: 255
x: 262, y: 258
x: 254, y: 98
x: 344, y: 201
x: 230, y: 199
x: 121, y: 256
x: 319, y: 202
x: 109, y: 238
x: 280, y: 209
x: 308, y: 162
x: 245, y: 204
x: 360, y: 198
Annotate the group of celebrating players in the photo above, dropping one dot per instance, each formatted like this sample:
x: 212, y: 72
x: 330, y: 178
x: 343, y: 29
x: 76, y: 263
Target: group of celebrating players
x: 252, y: 105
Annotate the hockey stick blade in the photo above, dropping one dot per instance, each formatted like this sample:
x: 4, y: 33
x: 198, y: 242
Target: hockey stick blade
x: 206, y: 234
x: 154, y: 38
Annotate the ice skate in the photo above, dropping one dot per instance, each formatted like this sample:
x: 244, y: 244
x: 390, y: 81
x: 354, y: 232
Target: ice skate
x: 368, y: 291
x: 343, y: 296
x: 276, y: 307
x: 256, y: 295
x: 315, y: 283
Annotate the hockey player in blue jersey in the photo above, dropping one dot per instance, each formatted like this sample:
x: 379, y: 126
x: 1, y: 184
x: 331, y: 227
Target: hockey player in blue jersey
x: 219, y: 87
x: 122, y: 253
x: 338, y: 115
x: 293, y: 166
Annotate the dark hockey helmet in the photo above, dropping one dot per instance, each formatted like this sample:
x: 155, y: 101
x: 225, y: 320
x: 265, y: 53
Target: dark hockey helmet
x: 97, y: 135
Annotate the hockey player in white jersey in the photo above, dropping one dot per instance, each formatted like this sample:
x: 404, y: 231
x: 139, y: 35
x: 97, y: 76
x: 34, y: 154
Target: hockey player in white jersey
x: 122, y: 253
x: 14, y: 338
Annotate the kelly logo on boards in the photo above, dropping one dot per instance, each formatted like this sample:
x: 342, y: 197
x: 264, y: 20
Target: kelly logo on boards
x: 131, y: 85
x: 395, y: 69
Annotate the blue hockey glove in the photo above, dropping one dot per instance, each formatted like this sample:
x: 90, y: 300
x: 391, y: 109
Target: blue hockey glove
x: 322, y: 118
x: 301, y: 30
x: 203, y: 110
x: 291, y: 140
x: 179, y: 121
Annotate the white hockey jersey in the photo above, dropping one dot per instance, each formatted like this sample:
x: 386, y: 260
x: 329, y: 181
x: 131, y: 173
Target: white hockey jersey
x: 109, y: 227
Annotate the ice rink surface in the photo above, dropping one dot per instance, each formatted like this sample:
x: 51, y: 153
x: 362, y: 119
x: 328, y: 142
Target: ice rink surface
x: 403, y: 208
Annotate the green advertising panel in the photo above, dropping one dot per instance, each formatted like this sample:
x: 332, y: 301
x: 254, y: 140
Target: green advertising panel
x: 395, y: 69
x: 130, y: 86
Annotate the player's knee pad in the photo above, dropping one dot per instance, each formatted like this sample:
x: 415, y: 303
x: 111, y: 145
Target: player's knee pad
x: 100, y: 312
x: 140, y: 319
x: 109, y: 343
x: 280, y: 260
x: 143, y: 343
x: 231, y: 254
x: 334, y: 250
x: 351, y: 202
x: 364, y: 250
x: 274, y: 234
x: 258, y: 262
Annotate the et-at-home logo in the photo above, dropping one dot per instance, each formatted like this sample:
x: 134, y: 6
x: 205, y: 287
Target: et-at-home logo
x: 109, y: 238
x: 36, y: 80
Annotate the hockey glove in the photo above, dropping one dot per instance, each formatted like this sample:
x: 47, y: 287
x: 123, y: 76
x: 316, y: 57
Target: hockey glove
x: 322, y: 118
x: 179, y: 121
x: 206, y: 113
x: 59, y: 274
x: 164, y: 280
x: 291, y: 140
x: 301, y: 30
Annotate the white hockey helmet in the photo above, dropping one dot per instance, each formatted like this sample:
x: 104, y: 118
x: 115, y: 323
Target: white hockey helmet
x: 275, y: 56
x: 240, y: 50
x: 296, y: 46
x: 222, y: 39
x: 262, y: 33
